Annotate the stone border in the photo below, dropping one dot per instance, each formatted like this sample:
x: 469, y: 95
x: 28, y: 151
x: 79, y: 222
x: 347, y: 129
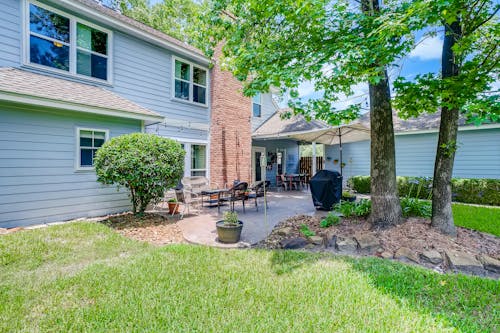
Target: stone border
x: 364, y: 244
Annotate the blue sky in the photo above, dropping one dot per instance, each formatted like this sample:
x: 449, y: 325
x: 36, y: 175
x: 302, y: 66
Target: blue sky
x: 425, y: 58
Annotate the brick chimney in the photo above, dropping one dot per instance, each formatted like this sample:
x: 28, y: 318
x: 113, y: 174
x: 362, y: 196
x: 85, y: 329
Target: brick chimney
x: 230, y: 129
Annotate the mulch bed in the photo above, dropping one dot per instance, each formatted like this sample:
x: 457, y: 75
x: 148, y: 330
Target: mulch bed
x: 415, y: 234
x: 152, y: 228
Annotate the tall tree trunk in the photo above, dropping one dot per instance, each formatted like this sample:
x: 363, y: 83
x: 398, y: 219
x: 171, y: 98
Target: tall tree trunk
x: 442, y: 216
x: 386, y: 208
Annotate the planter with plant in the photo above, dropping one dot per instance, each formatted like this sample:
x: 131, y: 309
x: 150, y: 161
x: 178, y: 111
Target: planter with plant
x: 348, y: 196
x: 173, y: 206
x: 229, y: 229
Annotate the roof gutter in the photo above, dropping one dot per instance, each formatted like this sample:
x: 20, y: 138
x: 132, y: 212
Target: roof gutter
x: 113, y: 22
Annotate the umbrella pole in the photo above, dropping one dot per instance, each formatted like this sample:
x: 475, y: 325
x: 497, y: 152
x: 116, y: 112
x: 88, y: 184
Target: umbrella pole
x: 340, y: 150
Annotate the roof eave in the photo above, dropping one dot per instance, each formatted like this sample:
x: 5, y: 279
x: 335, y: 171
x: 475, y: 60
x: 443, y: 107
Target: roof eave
x: 50, y: 103
x: 124, y: 27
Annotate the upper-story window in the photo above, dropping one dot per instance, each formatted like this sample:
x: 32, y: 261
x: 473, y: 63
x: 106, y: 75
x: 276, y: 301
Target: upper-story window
x: 257, y: 105
x: 62, y: 42
x: 190, y: 82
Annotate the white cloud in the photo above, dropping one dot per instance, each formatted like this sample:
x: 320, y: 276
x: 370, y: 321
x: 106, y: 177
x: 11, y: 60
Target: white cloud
x: 429, y: 48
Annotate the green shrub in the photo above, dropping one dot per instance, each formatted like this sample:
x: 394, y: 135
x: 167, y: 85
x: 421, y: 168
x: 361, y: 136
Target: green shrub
x: 416, y: 207
x: 361, y: 208
x: 231, y: 218
x: 304, y: 229
x: 467, y: 190
x: 146, y: 164
x: 329, y: 220
x: 360, y: 184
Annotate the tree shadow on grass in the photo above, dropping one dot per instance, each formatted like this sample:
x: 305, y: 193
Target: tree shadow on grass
x: 470, y: 304
x: 285, y: 261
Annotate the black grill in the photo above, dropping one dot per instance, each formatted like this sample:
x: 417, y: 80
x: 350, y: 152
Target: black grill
x: 326, y: 189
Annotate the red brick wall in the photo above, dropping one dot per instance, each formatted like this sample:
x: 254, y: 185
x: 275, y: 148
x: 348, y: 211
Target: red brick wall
x: 230, y: 131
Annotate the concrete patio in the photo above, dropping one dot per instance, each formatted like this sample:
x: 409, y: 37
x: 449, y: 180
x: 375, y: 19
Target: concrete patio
x: 200, y: 229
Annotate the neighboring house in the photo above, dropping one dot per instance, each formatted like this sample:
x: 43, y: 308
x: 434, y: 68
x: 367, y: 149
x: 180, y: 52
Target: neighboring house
x: 478, y: 154
x: 74, y: 74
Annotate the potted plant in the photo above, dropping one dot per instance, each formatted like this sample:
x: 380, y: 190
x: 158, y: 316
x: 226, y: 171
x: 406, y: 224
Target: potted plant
x: 173, y: 206
x: 348, y: 196
x: 229, y: 229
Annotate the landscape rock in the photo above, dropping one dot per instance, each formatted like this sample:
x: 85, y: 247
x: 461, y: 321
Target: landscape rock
x: 490, y: 263
x: 346, y: 244
x: 294, y: 243
x: 316, y: 240
x: 286, y: 231
x: 464, y: 262
x: 3, y: 231
x: 367, y: 242
x: 432, y: 257
x: 386, y: 255
x: 405, y: 254
x: 330, y: 239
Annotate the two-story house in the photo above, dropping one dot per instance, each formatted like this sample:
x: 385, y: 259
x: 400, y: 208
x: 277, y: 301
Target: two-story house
x: 74, y: 74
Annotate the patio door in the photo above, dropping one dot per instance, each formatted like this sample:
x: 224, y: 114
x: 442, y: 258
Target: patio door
x: 258, y: 169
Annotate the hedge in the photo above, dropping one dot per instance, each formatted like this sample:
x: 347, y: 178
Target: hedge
x: 467, y: 190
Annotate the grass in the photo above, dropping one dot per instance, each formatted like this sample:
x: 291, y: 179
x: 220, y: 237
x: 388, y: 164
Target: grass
x: 480, y: 218
x: 84, y: 277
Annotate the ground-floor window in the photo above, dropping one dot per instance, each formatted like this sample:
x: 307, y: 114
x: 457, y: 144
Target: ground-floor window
x: 199, y: 160
x: 195, y: 162
x: 88, y: 142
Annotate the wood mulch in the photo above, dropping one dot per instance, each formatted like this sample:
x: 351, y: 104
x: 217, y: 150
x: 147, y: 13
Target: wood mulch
x: 415, y: 234
x: 152, y: 228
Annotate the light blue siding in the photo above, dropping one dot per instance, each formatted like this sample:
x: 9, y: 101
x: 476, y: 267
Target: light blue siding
x: 142, y: 73
x: 38, y: 180
x: 478, y: 155
x: 292, y: 156
x: 10, y: 33
x: 267, y: 110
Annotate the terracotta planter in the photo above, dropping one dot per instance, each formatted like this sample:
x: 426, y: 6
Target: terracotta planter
x: 228, y: 233
x: 173, y: 206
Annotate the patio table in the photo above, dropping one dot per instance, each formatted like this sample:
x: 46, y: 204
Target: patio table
x: 213, y: 202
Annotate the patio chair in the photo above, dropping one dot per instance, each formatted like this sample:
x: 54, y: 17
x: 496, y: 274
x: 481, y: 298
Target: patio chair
x: 190, y: 201
x: 258, y: 191
x: 237, y: 193
x: 281, y: 182
x: 196, y: 184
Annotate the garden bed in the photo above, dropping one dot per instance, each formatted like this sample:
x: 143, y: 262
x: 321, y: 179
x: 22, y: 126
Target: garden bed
x: 413, y: 241
x: 152, y: 228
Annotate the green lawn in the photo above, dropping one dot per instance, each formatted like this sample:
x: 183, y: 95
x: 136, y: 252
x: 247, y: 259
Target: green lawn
x: 84, y: 277
x: 486, y: 219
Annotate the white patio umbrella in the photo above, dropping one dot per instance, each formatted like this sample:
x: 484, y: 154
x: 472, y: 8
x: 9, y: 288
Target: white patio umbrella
x: 335, y: 135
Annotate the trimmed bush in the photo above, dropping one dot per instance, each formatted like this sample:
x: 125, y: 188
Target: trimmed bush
x: 467, y: 190
x: 146, y: 164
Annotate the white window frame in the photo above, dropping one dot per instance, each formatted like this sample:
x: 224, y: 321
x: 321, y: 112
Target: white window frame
x: 188, y: 143
x: 191, y: 158
x: 72, y: 44
x: 78, y: 167
x: 260, y: 104
x: 191, y: 82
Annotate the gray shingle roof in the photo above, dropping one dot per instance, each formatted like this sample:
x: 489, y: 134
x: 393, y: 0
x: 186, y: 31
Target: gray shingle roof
x: 26, y: 83
x: 274, y: 126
